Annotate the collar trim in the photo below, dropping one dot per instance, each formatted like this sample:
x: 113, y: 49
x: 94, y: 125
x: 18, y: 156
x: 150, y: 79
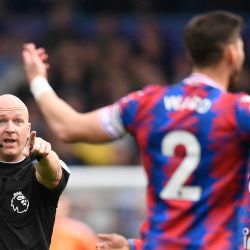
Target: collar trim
x: 198, y: 78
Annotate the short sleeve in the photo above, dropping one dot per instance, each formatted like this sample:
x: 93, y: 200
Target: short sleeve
x: 56, y: 192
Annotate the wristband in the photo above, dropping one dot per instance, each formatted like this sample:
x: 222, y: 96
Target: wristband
x: 38, y: 86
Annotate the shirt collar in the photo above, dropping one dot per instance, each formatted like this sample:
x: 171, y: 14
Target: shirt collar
x: 198, y: 78
x: 12, y: 162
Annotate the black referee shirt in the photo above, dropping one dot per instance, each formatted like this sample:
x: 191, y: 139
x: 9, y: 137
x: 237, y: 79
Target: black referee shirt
x: 27, y: 209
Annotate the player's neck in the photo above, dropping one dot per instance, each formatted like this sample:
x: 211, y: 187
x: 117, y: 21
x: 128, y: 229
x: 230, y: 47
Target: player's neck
x: 217, y: 74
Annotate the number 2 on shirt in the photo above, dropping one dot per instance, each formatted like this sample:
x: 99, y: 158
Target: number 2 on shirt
x: 175, y: 188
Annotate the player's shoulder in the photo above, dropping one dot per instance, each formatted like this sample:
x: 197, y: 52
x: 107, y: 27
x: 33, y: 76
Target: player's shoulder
x: 234, y: 97
x: 143, y: 94
x: 242, y: 96
x: 236, y: 101
x: 242, y: 99
x: 150, y: 89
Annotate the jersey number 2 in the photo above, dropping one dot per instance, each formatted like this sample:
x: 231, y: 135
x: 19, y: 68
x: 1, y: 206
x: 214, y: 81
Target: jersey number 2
x: 175, y: 188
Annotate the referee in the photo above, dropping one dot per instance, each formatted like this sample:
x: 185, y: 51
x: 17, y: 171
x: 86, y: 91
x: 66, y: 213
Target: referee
x: 32, y: 179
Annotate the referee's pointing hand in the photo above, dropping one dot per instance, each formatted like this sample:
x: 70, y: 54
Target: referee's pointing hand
x: 38, y: 147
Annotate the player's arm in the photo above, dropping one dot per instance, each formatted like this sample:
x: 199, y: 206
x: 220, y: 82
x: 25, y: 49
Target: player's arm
x: 68, y: 124
x: 48, y: 167
x: 117, y: 242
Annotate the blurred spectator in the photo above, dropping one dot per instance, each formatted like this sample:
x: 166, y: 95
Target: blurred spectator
x: 69, y: 233
x: 60, y: 24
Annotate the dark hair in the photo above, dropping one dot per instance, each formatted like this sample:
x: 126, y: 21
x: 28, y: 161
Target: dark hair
x: 206, y: 35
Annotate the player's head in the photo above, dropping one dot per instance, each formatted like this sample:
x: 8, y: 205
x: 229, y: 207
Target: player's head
x: 215, y: 36
x: 14, y: 128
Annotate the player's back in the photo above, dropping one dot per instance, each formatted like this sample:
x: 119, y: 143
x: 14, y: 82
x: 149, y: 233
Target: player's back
x: 195, y: 156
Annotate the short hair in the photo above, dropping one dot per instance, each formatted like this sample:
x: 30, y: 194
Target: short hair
x: 206, y: 35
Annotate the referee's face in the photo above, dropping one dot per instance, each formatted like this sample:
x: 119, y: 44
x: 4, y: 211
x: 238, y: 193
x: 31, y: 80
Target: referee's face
x: 14, y: 128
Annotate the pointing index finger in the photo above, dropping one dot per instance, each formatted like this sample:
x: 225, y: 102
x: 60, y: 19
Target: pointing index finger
x: 32, y: 139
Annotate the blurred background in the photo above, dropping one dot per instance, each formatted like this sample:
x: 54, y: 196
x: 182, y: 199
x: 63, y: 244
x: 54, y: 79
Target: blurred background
x: 98, y: 52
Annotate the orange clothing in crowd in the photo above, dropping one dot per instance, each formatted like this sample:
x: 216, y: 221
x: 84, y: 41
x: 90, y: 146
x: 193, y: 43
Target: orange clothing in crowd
x: 70, y: 234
